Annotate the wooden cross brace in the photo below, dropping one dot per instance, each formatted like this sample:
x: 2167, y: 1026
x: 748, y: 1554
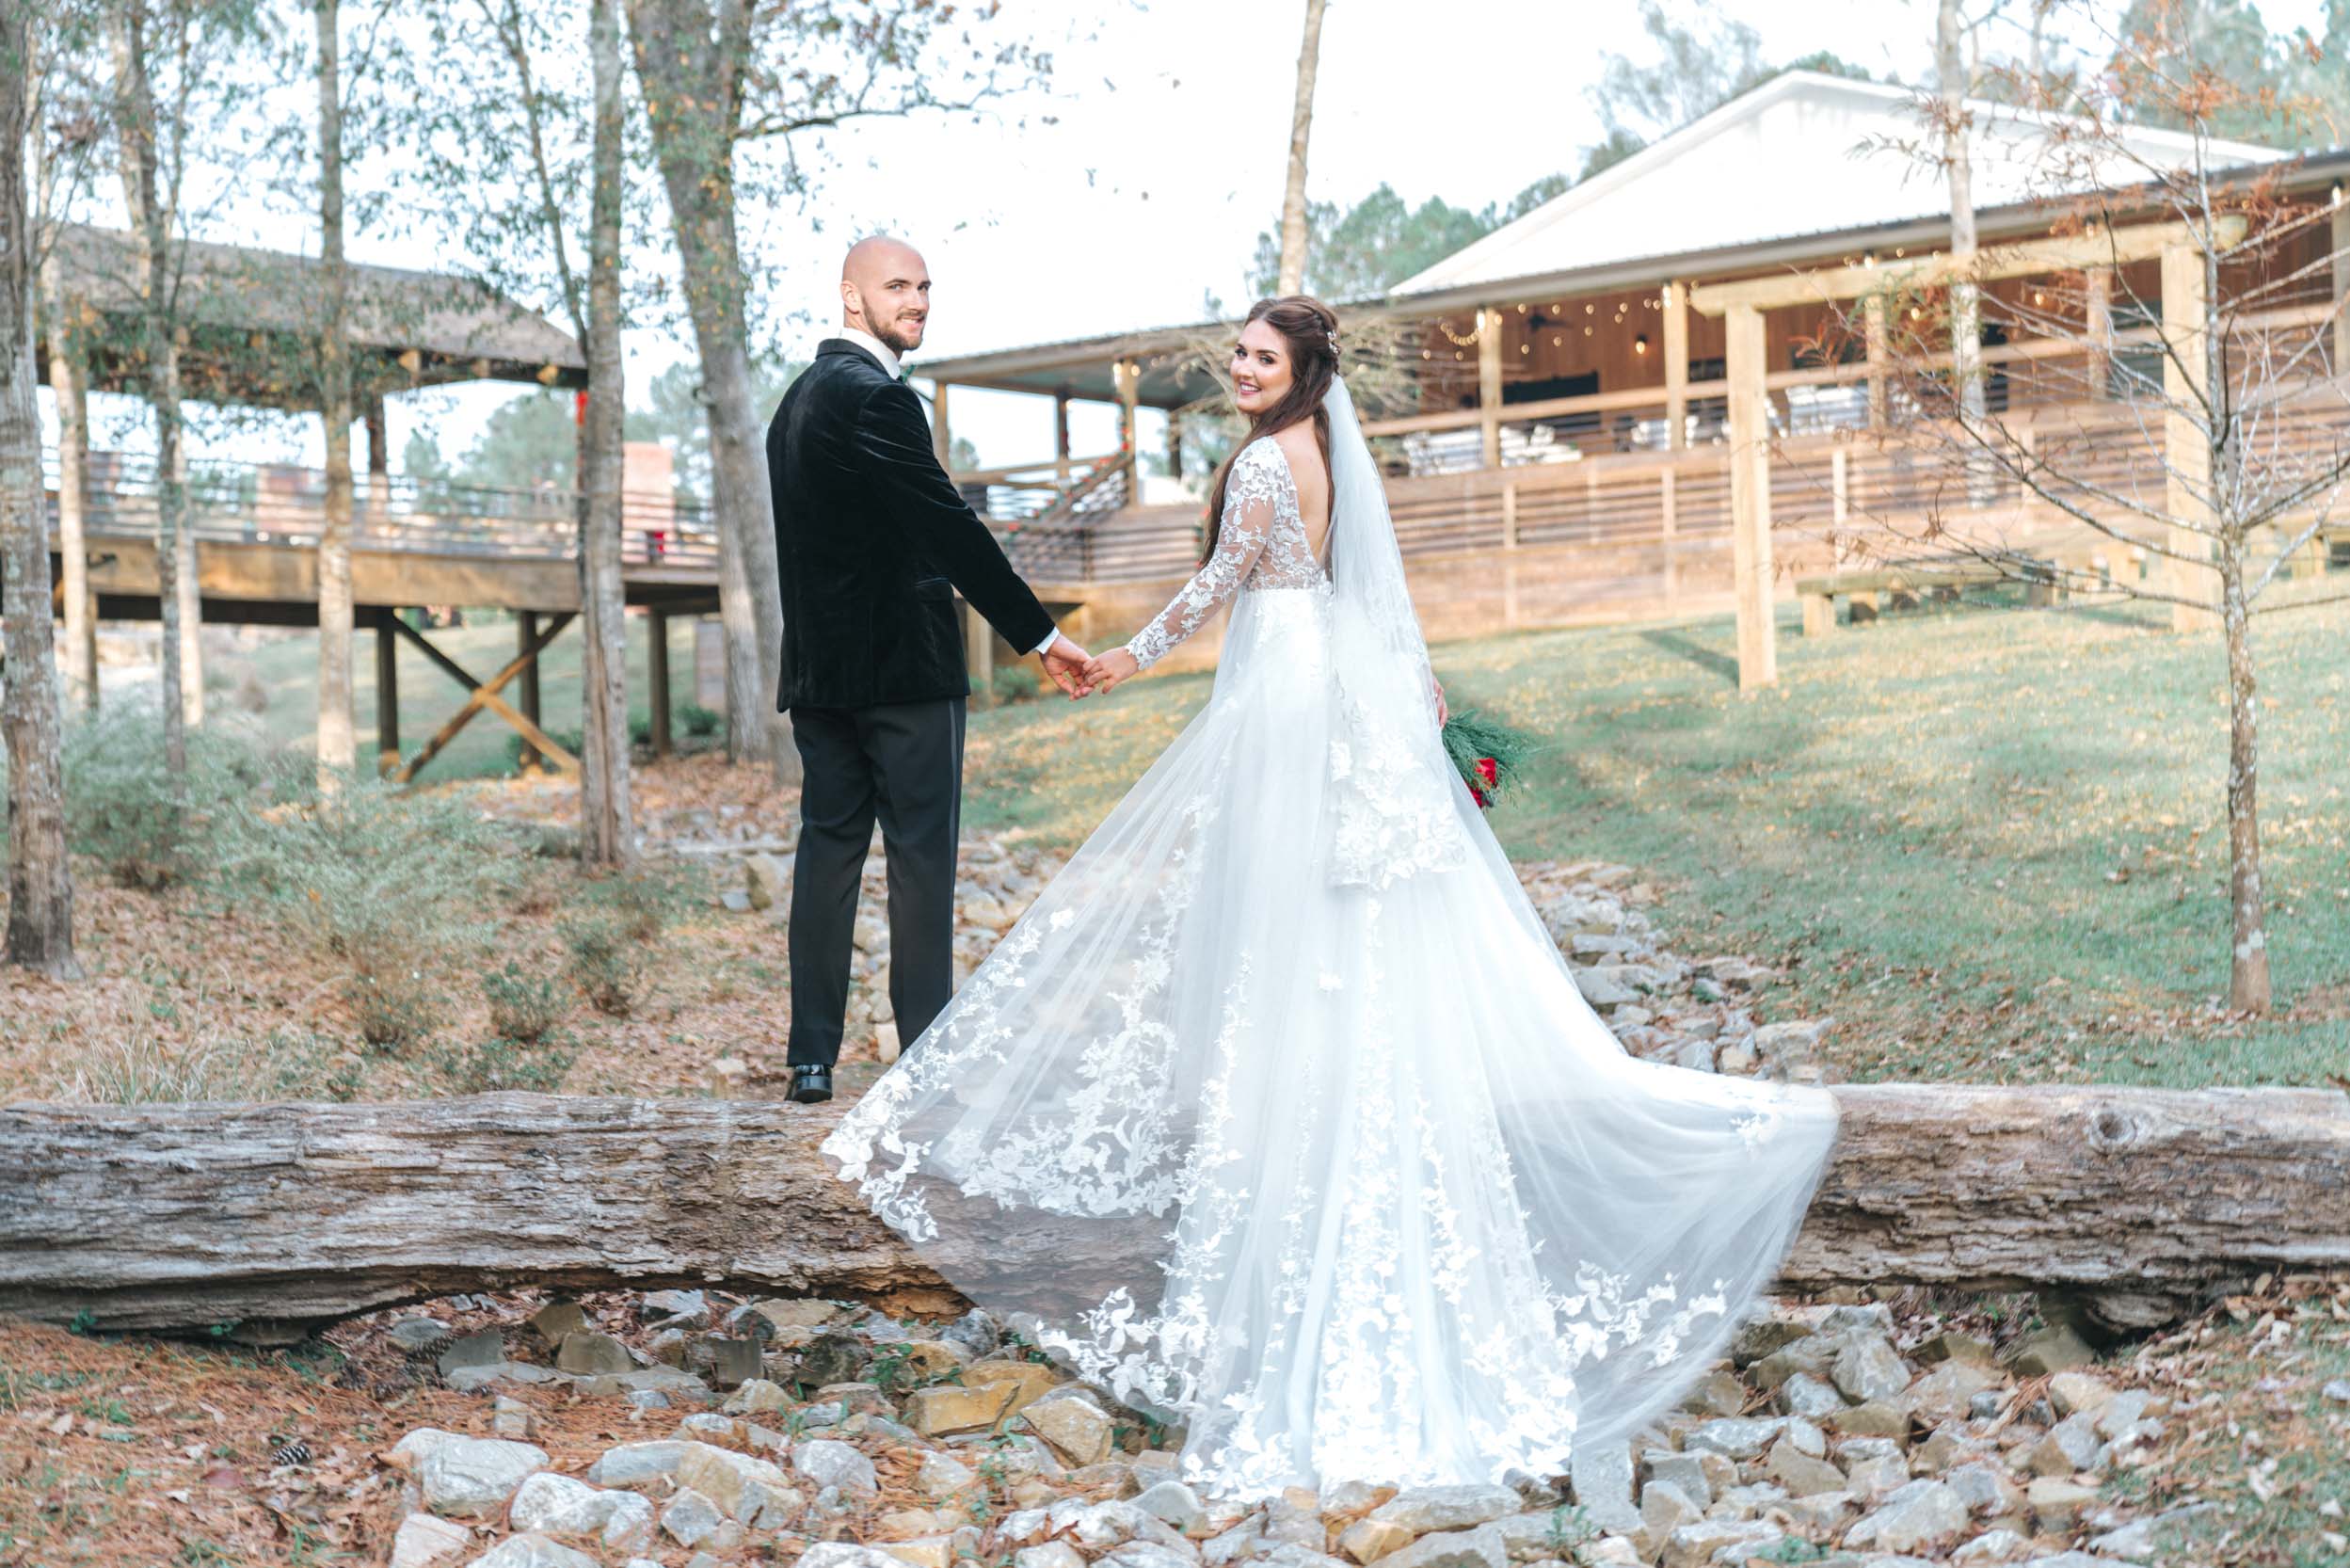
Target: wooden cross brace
x: 483, y: 693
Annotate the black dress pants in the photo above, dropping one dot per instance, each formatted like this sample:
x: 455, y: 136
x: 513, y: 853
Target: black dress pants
x: 902, y: 763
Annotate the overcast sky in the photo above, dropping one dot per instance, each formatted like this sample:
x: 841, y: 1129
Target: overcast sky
x: 1167, y: 158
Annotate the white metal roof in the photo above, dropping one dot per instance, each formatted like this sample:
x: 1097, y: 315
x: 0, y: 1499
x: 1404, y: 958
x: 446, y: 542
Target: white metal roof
x: 1803, y: 153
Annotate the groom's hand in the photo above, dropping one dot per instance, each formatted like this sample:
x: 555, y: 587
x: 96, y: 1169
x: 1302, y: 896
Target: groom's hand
x: 1065, y: 663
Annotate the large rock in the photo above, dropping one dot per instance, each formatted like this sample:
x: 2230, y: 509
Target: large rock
x: 1482, y: 1547
x: 424, y: 1542
x: 1370, y: 1540
x: 946, y: 1408
x: 1176, y: 1503
x: 634, y: 1464
x: 1423, y: 1509
x: 691, y: 1518
x: 1944, y: 1393
x: 1740, y: 1437
x: 750, y: 1491
x: 470, y: 1477
x: 1602, y: 1479
x: 532, y: 1551
x: 559, y: 1505
x: 1868, y: 1368
x: 829, y: 1461
x: 1923, y: 1516
x: 1802, y: 1474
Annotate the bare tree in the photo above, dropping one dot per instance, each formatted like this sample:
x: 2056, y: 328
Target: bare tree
x: 1954, y: 80
x: 605, y: 813
x: 1293, y: 233
x: 2209, y: 447
x: 337, y: 745
x: 716, y: 76
x: 40, y: 877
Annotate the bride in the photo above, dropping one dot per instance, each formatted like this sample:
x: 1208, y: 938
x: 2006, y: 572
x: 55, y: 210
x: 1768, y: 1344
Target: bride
x: 1278, y: 1116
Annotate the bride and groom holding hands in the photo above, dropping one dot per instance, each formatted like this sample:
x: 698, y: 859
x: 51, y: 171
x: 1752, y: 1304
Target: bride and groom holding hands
x: 1277, y: 1116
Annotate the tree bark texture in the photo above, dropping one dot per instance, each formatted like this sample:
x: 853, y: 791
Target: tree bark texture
x: 158, y: 1217
x: 337, y: 745
x: 1293, y: 234
x: 605, y: 813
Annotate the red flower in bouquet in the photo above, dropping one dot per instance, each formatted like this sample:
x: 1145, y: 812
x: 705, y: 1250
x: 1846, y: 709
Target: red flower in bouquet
x: 1490, y: 771
x: 1479, y: 796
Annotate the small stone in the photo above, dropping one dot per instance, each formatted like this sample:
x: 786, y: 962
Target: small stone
x: 946, y: 1407
x: 1481, y: 1547
x: 484, y: 1349
x: 1684, y: 1472
x: 1992, y: 1547
x: 1052, y: 1554
x: 1984, y: 1488
x: 2058, y: 1348
x: 1740, y: 1437
x: 756, y: 1397
x: 726, y: 1077
x: 849, y: 1554
x: 1664, y: 1508
x: 1697, y: 1544
x: 532, y: 1550
x: 1602, y: 1482
x: 1872, y: 1479
x: 2072, y: 1446
x: 1807, y: 1396
x: 1368, y: 1540
x: 742, y: 1488
x: 585, y: 1352
x: 2338, y: 1390
x: 1030, y: 1380
x: 1952, y: 1345
x: 417, y: 1337
x: 423, y: 1542
x: 633, y: 1463
x: 1800, y: 1474
x: 1868, y: 1368
x: 765, y: 881
x: 1079, y: 1430
x: 2056, y: 1502
x: 834, y: 1357
x: 1174, y: 1502
x: 1759, y: 1337
x: 558, y: 1505
x: 943, y: 1476
x: 2072, y: 1392
x: 1872, y: 1420
x: 691, y: 1518
x: 1921, y: 1516
x: 829, y: 1461
x: 733, y: 1361
x: 1603, y: 990
x: 1944, y: 1393
x: 674, y: 1308
x: 470, y: 1475
x: 557, y: 1319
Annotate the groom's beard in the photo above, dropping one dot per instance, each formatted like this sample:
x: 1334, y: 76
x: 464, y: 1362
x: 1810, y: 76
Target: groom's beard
x: 895, y: 336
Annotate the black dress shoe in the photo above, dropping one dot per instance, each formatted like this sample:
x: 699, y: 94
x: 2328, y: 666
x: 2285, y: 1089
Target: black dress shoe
x: 811, y: 1082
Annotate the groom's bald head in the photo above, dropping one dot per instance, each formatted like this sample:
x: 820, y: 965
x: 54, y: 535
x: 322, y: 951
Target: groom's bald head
x: 884, y: 289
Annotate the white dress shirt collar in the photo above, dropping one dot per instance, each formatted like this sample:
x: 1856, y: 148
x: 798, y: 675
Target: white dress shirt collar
x: 874, y: 346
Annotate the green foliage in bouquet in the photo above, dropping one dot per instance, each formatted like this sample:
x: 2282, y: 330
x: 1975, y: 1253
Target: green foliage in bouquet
x: 1488, y: 756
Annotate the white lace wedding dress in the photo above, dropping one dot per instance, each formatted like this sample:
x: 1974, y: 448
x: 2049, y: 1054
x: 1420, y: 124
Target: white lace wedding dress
x: 1279, y: 1117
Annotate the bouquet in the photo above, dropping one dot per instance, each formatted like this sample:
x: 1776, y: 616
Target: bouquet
x: 1488, y: 756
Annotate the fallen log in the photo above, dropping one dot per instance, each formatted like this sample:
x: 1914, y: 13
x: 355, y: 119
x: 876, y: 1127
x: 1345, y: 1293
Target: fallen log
x: 272, y: 1217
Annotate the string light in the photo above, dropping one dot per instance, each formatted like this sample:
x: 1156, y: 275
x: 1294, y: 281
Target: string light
x: 1640, y: 344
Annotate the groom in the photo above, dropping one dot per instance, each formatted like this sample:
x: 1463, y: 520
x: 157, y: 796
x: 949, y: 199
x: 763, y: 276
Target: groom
x: 872, y: 542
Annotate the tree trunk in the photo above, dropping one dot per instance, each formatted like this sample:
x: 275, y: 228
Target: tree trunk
x: 688, y: 62
x: 1293, y: 236
x: 338, y: 753
x: 604, y: 814
x: 2247, y: 976
x: 174, y: 1216
x: 40, y: 877
x: 1966, y: 306
x: 70, y: 385
x: 135, y: 130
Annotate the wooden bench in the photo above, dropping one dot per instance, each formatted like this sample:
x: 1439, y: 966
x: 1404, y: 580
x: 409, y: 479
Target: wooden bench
x: 1904, y: 586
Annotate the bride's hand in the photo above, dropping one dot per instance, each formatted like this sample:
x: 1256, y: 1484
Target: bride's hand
x: 1104, y: 672
x: 1443, y: 713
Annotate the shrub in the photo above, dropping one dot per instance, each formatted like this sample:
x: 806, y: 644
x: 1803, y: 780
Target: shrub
x: 121, y: 805
x: 1016, y: 683
x: 696, y: 719
x: 521, y: 1007
x: 612, y: 970
x: 538, y: 1065
x: 392, y: 883
x: 641, y: 732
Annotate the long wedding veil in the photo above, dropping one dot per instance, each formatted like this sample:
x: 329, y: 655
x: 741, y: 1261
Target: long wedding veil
x: 1394, y: 811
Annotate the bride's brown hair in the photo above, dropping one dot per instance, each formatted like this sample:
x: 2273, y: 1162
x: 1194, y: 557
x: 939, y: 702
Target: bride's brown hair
x: 1309, y: 330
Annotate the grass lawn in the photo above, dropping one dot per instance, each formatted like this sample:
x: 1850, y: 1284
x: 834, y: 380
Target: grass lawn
x: 1989, y: 841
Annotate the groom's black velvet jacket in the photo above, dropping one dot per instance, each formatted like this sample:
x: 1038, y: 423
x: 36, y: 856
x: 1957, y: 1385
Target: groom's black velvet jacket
x: 871, y: 542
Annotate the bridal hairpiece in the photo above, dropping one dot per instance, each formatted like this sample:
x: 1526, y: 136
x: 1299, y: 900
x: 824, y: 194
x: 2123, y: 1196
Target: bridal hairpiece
x: 1334, y: 339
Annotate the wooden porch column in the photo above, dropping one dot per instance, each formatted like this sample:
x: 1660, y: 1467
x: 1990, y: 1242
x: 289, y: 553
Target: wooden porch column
x: 67, y: 379
x: 2187, y: 450
x: 941, y: 437
x: 657, y: 662
x: 526, y: 647
x: 1749, y: 496
x: 2338, y: 238
x: 378, y: 462
x: 1873, y: 327
x: 1128, y: 376
x: 2098, y: 311
x: 1488, y: 382
x: 387, y: 694
x: 1676, y: 366
x: 1174, y: 442
x: 1061, y: 435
